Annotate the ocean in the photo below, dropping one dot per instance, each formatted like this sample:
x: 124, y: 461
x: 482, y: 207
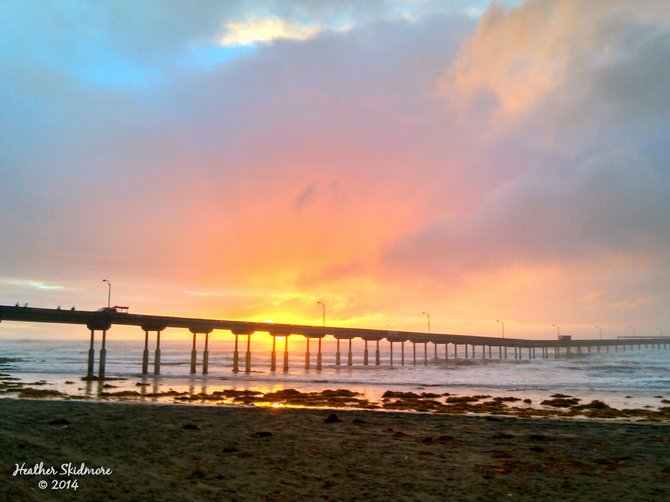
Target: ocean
x: 630, y: 379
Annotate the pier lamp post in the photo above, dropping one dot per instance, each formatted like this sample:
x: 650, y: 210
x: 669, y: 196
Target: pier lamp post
x: 109, y: 292
x: 633, y: 329
x: 502, y: 325
x: 323, y: 308
x: 558, y: 329
x: 660, y: 331
x: 600, y: 330
x: 428, y: 317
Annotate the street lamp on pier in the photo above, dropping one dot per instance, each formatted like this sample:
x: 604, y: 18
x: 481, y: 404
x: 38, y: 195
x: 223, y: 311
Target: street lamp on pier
x: 633, y: 329
x: 502, y: 325
x: 600, y: 330
x: 558, y: 329
x: 109, y: 292
x: 428, y: 317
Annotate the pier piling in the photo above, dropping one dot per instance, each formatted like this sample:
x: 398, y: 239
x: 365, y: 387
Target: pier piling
x: 103, y: 356
x: 194, y: 355
x: 205, y: 356
x: 247, y: 366
x: 145, y: 353
x: 157, y: 354
x: 91, y: 356
x: 236, y: 356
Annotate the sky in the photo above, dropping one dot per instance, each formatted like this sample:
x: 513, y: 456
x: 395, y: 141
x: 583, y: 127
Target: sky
x: 478, y: 161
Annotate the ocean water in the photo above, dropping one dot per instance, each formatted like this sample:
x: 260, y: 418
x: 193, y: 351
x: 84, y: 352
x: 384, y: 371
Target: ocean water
x: 630, y: 379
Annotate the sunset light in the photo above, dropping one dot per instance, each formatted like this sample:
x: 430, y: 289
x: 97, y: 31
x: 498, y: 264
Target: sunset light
x: 466, y: 160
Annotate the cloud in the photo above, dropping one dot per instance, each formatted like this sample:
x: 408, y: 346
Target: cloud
x: 613, y: 205
x: 23, y: 283
x: 197, y: 175
x: 305, y: 197
x: 568, y: 62
x: 565, y: 100
x: 266, y: 30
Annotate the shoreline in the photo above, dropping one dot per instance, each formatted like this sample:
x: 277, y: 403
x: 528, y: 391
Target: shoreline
x: 554, y: 405
x: 250, y: 453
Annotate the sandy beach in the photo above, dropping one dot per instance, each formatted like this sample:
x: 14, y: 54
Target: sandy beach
x: 181, y: 452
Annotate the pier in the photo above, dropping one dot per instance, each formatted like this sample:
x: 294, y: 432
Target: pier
x: 472, y: 346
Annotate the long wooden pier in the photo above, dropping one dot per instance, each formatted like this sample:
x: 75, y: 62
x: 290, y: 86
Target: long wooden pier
x: 104, y: 320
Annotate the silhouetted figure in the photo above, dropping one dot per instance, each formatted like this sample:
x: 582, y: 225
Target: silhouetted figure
x: 58, y: 308
x: 72, y: 309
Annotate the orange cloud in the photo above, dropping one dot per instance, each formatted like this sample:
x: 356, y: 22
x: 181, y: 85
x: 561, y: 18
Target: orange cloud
x: 527, y: 60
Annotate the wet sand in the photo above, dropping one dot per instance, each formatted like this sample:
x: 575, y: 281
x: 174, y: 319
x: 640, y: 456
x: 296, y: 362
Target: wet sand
x: 182, y: 452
